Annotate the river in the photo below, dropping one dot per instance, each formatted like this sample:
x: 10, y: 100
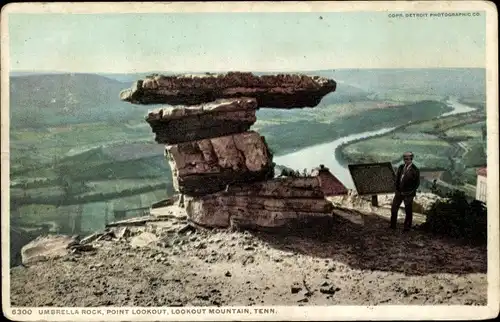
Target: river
x: 458, y: 108
x: 325, y: 154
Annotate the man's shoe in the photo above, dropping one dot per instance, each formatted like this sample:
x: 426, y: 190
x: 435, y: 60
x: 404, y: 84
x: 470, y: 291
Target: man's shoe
x: 392, y: 227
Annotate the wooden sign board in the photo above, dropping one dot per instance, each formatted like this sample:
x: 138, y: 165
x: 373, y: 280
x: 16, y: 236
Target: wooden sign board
x: 373, y: 178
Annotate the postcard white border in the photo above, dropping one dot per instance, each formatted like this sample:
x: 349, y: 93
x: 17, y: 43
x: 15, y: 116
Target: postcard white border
x: 444, y: 312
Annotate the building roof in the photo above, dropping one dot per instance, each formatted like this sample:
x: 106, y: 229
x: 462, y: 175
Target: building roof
x: 330, y: 185
x: 481, y: 172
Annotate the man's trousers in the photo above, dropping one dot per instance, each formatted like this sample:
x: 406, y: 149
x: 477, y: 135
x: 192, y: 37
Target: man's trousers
x: 396, y: 202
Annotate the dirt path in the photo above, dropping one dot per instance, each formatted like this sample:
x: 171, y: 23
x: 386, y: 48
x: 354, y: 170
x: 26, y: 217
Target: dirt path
x: 355, y: 261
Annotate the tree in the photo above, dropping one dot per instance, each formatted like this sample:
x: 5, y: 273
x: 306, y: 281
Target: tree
x: 476, y: 156
x: 456, y: 171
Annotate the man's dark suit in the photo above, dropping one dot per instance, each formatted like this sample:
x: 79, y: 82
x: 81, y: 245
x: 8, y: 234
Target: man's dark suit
x: 407, y: 183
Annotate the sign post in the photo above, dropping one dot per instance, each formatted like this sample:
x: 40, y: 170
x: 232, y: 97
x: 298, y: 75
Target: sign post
x: 373, y: 179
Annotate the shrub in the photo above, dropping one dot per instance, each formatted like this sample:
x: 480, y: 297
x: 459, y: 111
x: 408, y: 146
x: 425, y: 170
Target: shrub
x: 456, y: 217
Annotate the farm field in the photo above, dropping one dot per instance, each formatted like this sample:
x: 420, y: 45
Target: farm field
x: 85, y: 177
x: 32, y: 147
x: 470, y: 131
x: 87, y: 192
x: 443, y: 124
x: 94, y: 215
x: 431, y: 152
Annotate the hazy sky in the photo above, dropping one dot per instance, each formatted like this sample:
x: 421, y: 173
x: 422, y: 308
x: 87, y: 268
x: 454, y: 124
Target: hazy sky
x: 241, y: 41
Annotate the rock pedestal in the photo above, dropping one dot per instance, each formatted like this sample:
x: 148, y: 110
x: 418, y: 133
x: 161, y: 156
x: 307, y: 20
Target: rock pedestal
x: 47, y: 247
x: 222, y: 168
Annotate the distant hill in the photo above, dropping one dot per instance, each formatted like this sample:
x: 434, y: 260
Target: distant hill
x: 128, y: 79
x: 344, y: 93
x: 57, y: 99
x: 461, y: 82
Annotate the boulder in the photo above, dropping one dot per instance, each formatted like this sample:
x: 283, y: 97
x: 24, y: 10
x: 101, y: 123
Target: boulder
x: 47, y: 247
x: 120, y: 232
x: 92, y: 237
x: 272, y: 204
x: 223, y: 117
x: 20, y: 236
x: 207, y: 166
x: 272, y: 91
x: 424, y: 201
x: 143, y: 240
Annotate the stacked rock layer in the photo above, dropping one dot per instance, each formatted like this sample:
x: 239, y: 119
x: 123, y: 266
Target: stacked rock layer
x: 209, y: 165
x: 209, y: 120
x: 273, y: 91
x: 268, y: 204
x: 225, y: 170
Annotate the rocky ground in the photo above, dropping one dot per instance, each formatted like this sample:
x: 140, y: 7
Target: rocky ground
x: 354, y: 259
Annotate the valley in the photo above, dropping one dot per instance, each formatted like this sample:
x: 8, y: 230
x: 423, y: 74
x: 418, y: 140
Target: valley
x: 80, y: 159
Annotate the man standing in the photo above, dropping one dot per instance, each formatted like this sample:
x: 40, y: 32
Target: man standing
x: 407, y: 183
